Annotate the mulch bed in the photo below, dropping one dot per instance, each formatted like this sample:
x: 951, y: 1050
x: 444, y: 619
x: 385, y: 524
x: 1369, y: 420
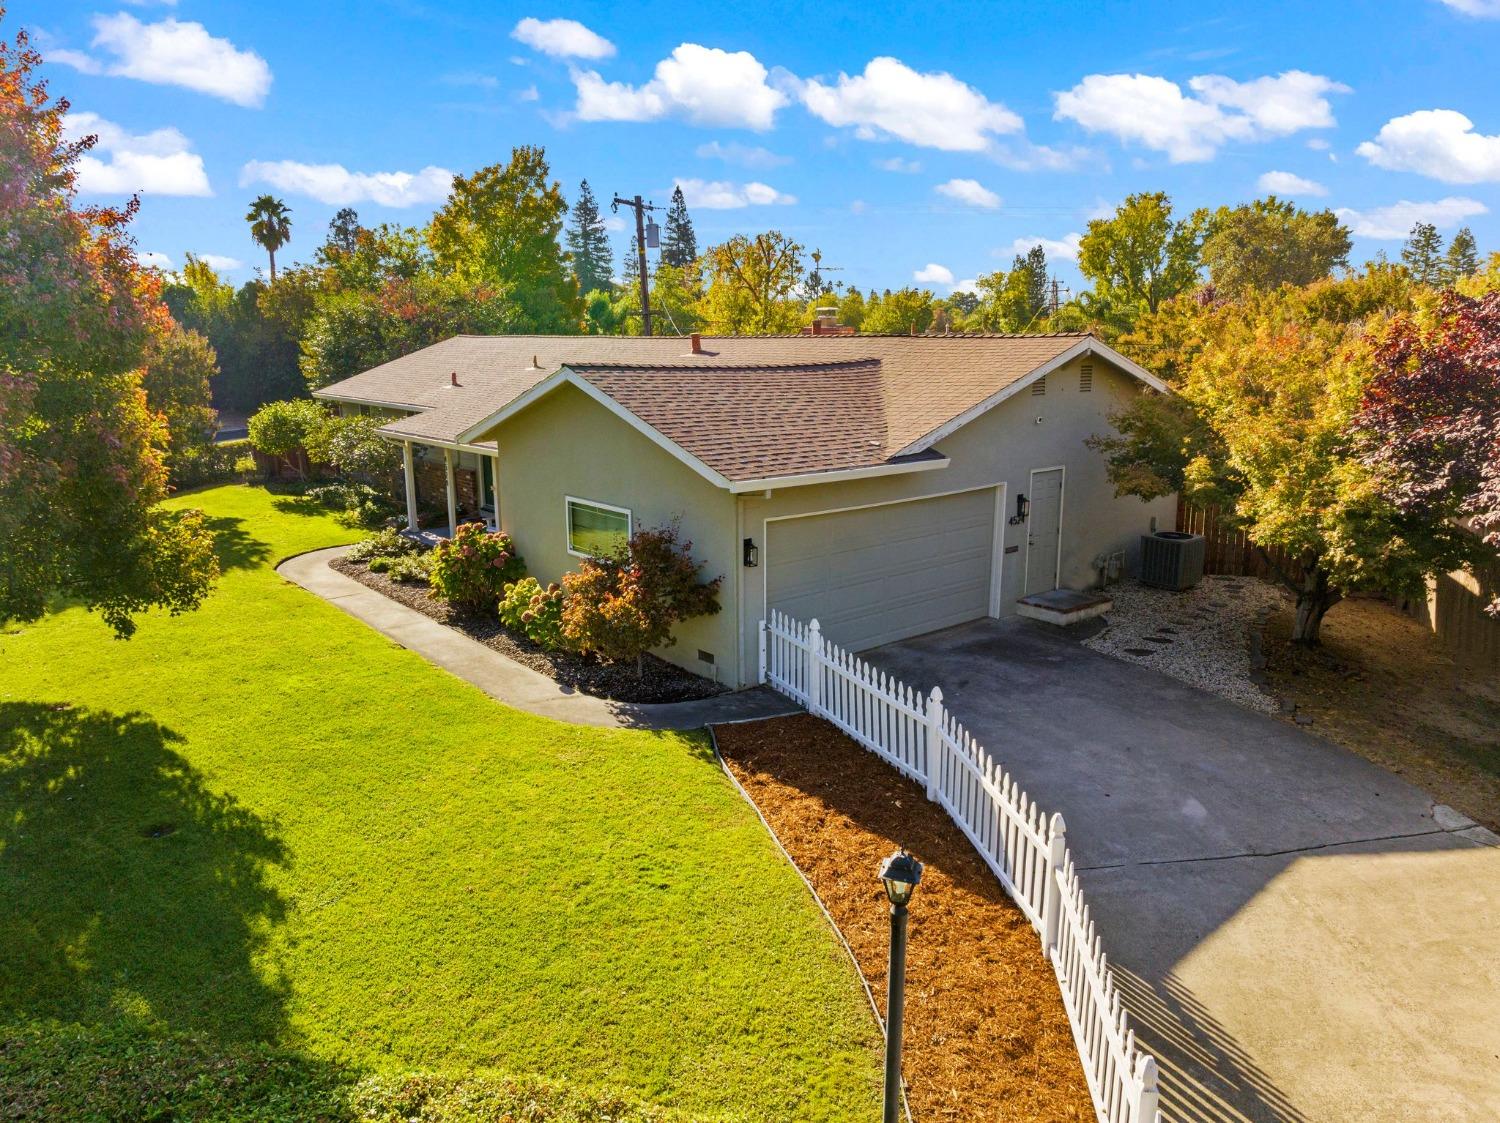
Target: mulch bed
x: 660, y: 681
x: 986, y: 1034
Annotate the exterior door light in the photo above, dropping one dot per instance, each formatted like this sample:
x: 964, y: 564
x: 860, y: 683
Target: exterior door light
x: 752, y: 554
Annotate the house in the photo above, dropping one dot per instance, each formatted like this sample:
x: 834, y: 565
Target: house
x: 887, y: 485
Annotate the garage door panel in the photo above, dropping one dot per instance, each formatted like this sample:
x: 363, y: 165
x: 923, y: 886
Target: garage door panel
x: 883, y: 573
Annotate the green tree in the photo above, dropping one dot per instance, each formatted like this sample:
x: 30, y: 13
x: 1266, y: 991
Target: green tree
x: 852, y: 309
x: 752, y: 285
x: 608, y: 313
x: 679, y: 244
x: 1034, y: 266
x: 1463, y: 257
x: 180, y: 368
x: 281, y: 428
x: 270, y: 225
x: 1271, y: 242
x: 674, y: 297
x: 499, y: 228
x: 370, y: 258
x: 1262, y: 430
x: 593, y: 261
x: 81, y: 454
x: 1423, y: 255
x: 904, y: 312
x: 343, y: 231
x: 1006, y: 299
x: 352, y: 445
x: 1139, y: 257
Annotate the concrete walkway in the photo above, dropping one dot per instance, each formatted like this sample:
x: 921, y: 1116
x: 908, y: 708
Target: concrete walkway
x: 1301, y: 935
x: 504, y: 679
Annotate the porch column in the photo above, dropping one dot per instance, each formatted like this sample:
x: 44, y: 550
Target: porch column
x: 411, y: 485
x: 452, y: 492
x: 495, y: 487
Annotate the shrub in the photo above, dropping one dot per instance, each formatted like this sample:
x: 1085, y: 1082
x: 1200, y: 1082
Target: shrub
x: 358, y: 504
x: 622, y: 606
x: 472, y: 568
x: 414, y: 569
x: 281, y: 428
x: 388, y: 543
x: 352, y: 446
x: 533, y: 611
x: 208, y: 464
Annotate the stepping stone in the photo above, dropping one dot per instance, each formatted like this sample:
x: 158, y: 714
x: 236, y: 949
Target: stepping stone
x: 1140, y: 651
x: 1167, y: 631
x: 1158, y: 639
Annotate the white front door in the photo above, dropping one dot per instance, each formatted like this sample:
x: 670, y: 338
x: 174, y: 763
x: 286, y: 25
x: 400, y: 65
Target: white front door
x: 1044, y: 530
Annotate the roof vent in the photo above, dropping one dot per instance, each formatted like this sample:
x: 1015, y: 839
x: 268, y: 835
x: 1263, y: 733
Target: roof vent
x: 1039, y: 387
x: 1086, y: 378
x: 453, y: 378
x: 535, y: 364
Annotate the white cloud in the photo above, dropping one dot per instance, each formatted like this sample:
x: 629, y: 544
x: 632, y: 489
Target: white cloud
x: 1286, y: 183
x: 220, y: 262
x: 153, y: 260
x: 934, y: 274
x: 897, y: 164
x: 336, y: 185
x: 615, y: 223
x: 1057, y: 249
x: 562, y: 38
x: 1318, y: 144
x: 704, y: 85
x: 173, y: 53
x: 1480, y: 9
x: 970, y: 192
x: 530, y: 93
x: 968, y: 284
x: 160, y: 162
x: 1190, y: 128
x: 1396, y: 220
x: 721, y: 195
x: 744, y: 155
x: 890, y: 99
x: 1440, y: 143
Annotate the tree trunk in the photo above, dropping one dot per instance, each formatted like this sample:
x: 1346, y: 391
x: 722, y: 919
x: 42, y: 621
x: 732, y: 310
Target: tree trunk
x: 272, y: 254
x: 1314, y: 599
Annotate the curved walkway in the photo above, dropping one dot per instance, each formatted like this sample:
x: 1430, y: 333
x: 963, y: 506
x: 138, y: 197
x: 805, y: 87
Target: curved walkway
x: 503, y: 678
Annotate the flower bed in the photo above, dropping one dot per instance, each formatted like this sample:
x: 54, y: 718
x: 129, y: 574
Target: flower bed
x: 659, y: 681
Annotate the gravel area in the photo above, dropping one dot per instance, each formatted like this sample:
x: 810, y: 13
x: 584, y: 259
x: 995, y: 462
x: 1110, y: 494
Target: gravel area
x: 1208, y: 637
x: 660, y: 681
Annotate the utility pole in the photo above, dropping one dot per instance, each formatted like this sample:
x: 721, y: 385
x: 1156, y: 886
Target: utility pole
x: 640, y: 209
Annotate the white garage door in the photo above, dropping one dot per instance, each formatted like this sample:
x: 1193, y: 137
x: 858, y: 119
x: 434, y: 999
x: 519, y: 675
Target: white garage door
x: 881, y: 574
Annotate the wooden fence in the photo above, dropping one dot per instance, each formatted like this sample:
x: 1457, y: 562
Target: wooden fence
x: 1227, y: 549
x: 1025, y: 849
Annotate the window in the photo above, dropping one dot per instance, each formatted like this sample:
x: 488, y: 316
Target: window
x: 595, y: 529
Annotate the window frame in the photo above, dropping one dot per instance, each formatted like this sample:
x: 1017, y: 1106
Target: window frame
x: 570, y: 500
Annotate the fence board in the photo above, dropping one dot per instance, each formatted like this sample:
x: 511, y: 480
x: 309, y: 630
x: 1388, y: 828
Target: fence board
x: 1227, y: 549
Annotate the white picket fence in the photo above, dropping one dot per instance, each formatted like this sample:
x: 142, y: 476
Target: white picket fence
x: 1026, y: 850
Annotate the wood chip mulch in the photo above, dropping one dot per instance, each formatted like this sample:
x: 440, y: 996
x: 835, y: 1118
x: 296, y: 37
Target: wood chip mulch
x: 986, y: 1034
x: 660, y: 681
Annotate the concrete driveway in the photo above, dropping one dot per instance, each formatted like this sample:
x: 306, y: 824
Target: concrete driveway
x: 1301, y: 934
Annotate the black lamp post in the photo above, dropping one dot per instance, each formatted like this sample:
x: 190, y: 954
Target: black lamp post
x: 900, y: 873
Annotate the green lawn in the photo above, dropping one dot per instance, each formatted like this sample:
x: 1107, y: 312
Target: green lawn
x: 262, y: 824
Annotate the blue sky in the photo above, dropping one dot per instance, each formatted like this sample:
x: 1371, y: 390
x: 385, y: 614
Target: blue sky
x: 908, y: 142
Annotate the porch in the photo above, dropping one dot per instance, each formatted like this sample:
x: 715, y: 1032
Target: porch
x: 460, y: 482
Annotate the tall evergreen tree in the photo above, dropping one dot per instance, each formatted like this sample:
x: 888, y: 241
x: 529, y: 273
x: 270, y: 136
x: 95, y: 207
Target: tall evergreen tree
x: 679, y: 247
x: 1035, y: 264
x: 1463, y: 256
x: 343, y: 231
x: 1423, y: 254
x: 593, y: 260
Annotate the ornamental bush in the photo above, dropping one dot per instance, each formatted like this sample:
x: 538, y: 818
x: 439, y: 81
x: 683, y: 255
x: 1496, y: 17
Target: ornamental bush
x: 622, y: 606
x: 472, y: 568
x: 533, y: 611
x: 388, y: 543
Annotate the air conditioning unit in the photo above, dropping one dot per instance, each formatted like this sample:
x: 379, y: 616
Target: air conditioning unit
x: 1171, y: 559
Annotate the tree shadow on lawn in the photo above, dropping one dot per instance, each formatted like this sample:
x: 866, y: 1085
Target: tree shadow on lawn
x: 235, y: 546
x: 129, y: 892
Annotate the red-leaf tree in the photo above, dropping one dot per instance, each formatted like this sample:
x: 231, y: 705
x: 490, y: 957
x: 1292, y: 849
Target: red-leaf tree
x: 81, y: 455
x: 1430, y: 418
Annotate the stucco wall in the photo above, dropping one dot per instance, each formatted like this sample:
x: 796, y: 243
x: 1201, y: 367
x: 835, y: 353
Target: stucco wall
x: 1003, y: 445
x: 567, y: 444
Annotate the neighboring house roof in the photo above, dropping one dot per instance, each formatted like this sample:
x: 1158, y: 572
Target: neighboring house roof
x: 744, y: 407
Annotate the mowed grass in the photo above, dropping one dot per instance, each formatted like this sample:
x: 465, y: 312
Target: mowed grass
x: 264, y: 824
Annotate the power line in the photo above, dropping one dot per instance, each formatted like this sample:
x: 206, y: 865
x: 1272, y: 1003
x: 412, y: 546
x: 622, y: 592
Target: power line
x: 642, y: 229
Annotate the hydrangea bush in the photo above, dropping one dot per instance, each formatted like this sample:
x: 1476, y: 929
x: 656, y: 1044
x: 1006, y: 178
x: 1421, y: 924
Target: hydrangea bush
x: 471, y: 569
x: 533, y: 611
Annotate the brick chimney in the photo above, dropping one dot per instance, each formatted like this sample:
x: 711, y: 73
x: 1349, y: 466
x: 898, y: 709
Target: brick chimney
x: 697, y: 342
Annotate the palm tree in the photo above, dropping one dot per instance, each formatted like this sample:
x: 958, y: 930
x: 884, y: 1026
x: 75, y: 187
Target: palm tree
x: 270, y: 225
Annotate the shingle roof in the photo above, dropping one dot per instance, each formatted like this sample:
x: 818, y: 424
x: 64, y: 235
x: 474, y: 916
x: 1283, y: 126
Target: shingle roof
x: 785, y: 403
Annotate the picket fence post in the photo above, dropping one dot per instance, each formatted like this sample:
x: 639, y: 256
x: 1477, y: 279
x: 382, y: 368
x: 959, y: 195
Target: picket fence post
x: 1057, y: 852
x: 1147, y: 1099
x: 762, y: 679
x: 814, y: 669
x: 934, y: 741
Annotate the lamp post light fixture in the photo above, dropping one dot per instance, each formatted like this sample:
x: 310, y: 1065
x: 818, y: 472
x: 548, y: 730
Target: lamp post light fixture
x: 901, y: 874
